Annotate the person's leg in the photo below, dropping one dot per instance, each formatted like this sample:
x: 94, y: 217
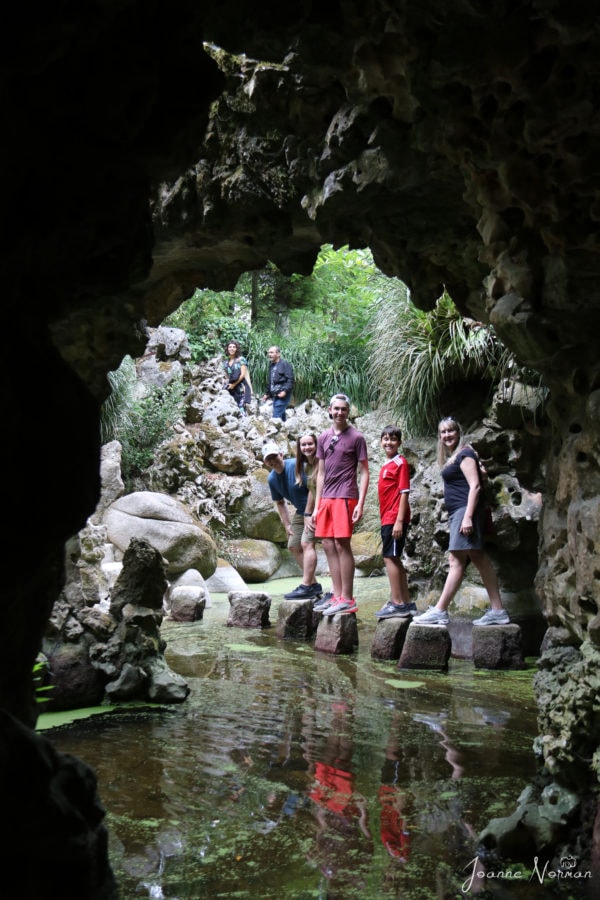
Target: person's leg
x: 483, y: 564
x: 346, y: 566
x: 298, y: 556
x: 329, y: 546
x: 279, y: 407
x: 295, y: 539
x: 397, y: 578
x: 309, y: 562
x: 457, y: 561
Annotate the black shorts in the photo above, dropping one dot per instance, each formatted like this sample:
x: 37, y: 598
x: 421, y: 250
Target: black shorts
x: 392, y: 546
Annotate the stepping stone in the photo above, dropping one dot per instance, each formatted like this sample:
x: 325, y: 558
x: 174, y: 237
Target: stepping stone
x: 295, y: 620
x: 426, y: 647
x: 248, y: 609
x: 497, y: 647
x: 337, y: 634
x: 389, y: 637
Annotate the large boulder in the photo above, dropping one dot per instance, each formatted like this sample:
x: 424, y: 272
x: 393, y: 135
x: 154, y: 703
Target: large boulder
x: 255, y: 561
x: 225, y: 578
x: 366, y: 547
x: 258, y: 517
x: 167, y: 525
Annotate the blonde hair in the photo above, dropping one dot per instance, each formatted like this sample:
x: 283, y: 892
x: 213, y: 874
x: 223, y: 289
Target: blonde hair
x: 443, y: 454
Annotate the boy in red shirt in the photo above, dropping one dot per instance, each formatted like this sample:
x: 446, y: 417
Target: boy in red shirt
x: 394, y: 510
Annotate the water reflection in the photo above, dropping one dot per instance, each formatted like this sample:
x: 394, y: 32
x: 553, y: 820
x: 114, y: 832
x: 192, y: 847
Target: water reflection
x: 290, y: 773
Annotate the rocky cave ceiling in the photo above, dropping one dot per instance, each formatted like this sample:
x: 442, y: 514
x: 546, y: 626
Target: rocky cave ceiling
x: 458, y: 143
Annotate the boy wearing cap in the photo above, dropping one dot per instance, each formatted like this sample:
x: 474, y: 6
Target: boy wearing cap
x: 339, y: 501
x: 284, y: 486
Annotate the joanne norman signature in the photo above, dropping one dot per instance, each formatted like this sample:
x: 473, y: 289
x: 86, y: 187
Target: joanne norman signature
x: 567, y: 871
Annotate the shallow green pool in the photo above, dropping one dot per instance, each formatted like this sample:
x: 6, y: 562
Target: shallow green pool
x: 290, y: 773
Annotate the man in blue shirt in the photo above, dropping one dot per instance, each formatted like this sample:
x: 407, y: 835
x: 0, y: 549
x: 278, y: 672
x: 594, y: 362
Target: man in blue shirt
x: 284, y: 487
x: 281, y: 383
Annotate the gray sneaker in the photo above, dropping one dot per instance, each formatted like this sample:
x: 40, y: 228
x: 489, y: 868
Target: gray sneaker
x: 432, y: 616
x: 305, y: 592
x: 390, y: 610
x: 493, y: 617
x: 323, y: 603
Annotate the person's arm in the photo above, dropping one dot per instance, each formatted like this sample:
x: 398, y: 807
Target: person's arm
x: 362, y: 490
x: 402, y: 515
x: 309, y: 509
x: 319, y: 488
x: 288, y: 372
x: 403, y: 507
x: 284, y: 515
x: 469, y: 468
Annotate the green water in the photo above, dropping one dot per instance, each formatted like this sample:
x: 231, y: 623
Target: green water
x: 292, y: 773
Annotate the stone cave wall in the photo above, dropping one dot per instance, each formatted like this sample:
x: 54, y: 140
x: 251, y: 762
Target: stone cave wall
x: 460, y: 144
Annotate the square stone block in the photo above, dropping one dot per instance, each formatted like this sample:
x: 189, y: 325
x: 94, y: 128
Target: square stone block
x: 389, y: 637
x: 295, y: 620
x: 249, y: 609
x: 497, y: 647
x: 426, y: 647
x: 337, y: 634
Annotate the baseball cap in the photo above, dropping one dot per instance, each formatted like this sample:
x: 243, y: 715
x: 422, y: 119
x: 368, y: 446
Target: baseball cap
x: 269, y: 449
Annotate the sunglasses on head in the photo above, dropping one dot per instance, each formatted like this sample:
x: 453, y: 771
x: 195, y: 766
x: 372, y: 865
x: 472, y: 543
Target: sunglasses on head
x: 332, y: 443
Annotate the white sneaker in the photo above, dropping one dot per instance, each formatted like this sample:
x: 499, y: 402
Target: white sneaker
x: 432, y: 616
x: 493, y: 617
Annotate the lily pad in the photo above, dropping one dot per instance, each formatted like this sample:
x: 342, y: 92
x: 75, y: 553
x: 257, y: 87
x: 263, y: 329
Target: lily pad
x: 403, y: 683
x: 247, y: 648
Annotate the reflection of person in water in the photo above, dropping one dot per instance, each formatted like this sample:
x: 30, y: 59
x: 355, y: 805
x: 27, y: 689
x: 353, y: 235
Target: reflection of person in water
x: 452, y: 755
x: 344, y: 845
x: 393, y: 799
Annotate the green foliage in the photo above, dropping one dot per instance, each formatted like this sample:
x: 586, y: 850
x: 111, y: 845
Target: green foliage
x: 210, y: 319
x: 39, y: 669
x: 140, y: 424
x: 429, y: 352
x: 321, y: 367
x: 320, y: 322
x: 114, y: 414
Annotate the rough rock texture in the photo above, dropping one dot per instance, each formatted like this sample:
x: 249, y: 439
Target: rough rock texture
x: 96, y: 644
x: 426, y: 647
x: 248, y: 609
x: 337, y: 634
x: 498, y: 647
x: 295, y: 620
x: 389, y: 637
x: 459, y: 142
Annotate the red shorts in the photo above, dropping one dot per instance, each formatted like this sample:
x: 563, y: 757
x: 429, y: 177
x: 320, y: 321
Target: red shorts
x: 334, y: 519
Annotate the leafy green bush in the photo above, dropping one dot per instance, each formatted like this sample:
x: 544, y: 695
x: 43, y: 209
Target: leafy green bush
x: 210, y: 319
x: 321, y: 368
x: 140, y: 424
x: 40, y: 669
x: 319, y: 321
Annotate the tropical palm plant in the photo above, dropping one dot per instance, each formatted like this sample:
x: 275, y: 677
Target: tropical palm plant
x: 415, y: 356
